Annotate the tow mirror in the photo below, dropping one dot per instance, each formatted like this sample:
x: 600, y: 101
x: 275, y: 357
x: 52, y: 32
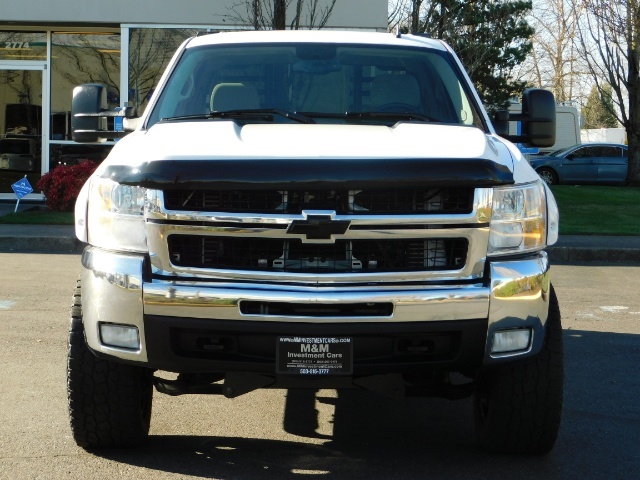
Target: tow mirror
x: 538, y: 119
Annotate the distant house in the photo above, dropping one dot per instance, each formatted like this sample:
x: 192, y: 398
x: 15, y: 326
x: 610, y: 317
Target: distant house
x: 567, y: 127
x: 46, y: 48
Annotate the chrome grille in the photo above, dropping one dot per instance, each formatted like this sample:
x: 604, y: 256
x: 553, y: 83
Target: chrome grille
x: 343, y: 256
x: 319, y: 237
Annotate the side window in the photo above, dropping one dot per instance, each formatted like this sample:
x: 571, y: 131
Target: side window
x: 611, y: 152
x: 581, y: 153
x: 180, y: 98
x: 446, y: 87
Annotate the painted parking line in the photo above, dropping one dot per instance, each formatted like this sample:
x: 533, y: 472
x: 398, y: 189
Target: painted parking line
x: 614, y: 309
x: 6, y: 304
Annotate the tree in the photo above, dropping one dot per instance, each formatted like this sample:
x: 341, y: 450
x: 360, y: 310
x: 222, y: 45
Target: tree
x: 491, y: 37
x: 279, y: 14
x: 597, y: 111
x: 610, y: 43
x: 555, y: 62
x: 272, y: 14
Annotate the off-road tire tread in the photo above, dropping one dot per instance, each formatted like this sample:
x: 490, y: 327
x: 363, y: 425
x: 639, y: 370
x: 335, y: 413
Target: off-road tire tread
x: 525, y: 398
x: 109, y: 402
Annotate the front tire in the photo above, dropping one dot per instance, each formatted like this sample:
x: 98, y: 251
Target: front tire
x: 517, y: 408
x: 109, y: 402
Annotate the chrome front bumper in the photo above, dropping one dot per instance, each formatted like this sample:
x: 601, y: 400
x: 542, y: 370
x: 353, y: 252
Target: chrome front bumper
x: 116, y: 290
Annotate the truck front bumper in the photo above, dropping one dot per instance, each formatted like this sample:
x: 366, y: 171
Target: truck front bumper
x: 221, y: 327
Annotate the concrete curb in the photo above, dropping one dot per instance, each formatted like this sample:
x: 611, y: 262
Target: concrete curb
x: 44, y: 244
x: 574, y: 254
x: 596, y: 248
x: 39, y: 239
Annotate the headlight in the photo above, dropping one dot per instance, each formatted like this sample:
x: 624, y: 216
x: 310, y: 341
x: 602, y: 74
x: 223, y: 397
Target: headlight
x: 518, y: 219
x: 116, y: 216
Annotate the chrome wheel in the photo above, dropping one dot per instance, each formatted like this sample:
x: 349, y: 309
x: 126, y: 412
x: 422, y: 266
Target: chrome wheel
x: 548, y: 176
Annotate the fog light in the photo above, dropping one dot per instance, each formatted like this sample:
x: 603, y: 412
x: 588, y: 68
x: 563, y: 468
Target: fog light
x: 506, y: 341
x: 122, y: 336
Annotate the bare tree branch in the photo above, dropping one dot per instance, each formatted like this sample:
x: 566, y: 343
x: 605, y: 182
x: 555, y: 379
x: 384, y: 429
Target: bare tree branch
x: 610, y: 44
x: 271, y: 14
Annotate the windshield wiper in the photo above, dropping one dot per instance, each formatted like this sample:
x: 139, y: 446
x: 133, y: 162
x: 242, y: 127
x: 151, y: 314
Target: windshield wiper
x: 390, y: 116
x: 262, y: 114
x: 385, y: 116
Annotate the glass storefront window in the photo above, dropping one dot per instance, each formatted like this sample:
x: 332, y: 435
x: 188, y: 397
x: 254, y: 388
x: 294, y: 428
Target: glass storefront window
x: 78, y: 58
x: 150, y: 50
x: 23, y: 46
x: 20, y: 126
x: 73, y: 154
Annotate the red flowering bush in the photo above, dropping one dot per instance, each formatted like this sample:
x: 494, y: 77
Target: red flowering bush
x: 62, y: 185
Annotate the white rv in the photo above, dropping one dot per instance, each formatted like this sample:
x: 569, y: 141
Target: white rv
x: 567, y: 127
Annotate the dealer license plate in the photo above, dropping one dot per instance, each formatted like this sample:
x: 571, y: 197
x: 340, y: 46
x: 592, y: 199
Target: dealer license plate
x: 315, y: 355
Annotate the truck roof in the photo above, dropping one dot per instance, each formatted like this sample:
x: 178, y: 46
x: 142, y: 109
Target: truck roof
x: 315, y: 36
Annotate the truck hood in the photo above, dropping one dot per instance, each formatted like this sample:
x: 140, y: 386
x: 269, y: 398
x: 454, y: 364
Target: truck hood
x: 225, y: 139
x: 182, y: 152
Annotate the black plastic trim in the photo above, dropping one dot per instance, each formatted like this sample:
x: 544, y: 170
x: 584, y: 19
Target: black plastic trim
x: 252, y: 344
x: 310, y: 173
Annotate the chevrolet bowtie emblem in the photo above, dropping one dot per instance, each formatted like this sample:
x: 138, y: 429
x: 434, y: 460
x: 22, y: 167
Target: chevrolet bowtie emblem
x: 318, y: 227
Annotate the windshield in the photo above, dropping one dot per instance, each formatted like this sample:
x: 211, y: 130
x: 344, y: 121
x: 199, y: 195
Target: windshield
x: 329, y: 83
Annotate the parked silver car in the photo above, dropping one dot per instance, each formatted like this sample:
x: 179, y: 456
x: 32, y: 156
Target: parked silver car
x: 581, y: 164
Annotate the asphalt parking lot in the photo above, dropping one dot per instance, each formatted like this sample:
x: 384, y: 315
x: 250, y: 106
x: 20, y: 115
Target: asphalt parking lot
x: 318, y: 434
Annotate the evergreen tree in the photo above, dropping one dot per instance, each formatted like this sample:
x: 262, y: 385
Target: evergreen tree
x: 491, y: 37
x: 598, y: 112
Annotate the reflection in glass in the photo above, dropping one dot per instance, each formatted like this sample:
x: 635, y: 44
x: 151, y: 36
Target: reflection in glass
x: 23, y: 46
x: 78, y: 58
x: 20, y: 127
x: 150, y: 51
x: 73, y: 154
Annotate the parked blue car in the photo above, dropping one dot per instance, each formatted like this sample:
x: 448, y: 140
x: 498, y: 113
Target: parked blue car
x: 589, y: 163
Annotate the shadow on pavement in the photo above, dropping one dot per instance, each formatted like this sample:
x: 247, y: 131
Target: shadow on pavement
x: 374, y: 437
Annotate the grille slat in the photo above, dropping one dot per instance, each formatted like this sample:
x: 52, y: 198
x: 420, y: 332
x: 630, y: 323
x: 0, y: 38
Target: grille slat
x: 446, y: 200
x: 280, y: 255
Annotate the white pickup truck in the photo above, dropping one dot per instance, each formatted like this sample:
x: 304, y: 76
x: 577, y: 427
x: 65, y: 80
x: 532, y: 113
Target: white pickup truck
x: 316, y: 210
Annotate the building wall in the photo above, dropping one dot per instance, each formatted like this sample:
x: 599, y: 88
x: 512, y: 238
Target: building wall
x: 368, y: 14
x: 608, y: 135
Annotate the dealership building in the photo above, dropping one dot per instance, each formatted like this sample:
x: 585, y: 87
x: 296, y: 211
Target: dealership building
x: 47, y: 48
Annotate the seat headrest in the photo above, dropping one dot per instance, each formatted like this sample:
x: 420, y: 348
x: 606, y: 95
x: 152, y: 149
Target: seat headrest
x: 234, y: 96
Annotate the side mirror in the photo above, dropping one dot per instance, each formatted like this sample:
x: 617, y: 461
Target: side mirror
x: 89, y: 114
x: 539, y: 126
x: 538, y: 119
